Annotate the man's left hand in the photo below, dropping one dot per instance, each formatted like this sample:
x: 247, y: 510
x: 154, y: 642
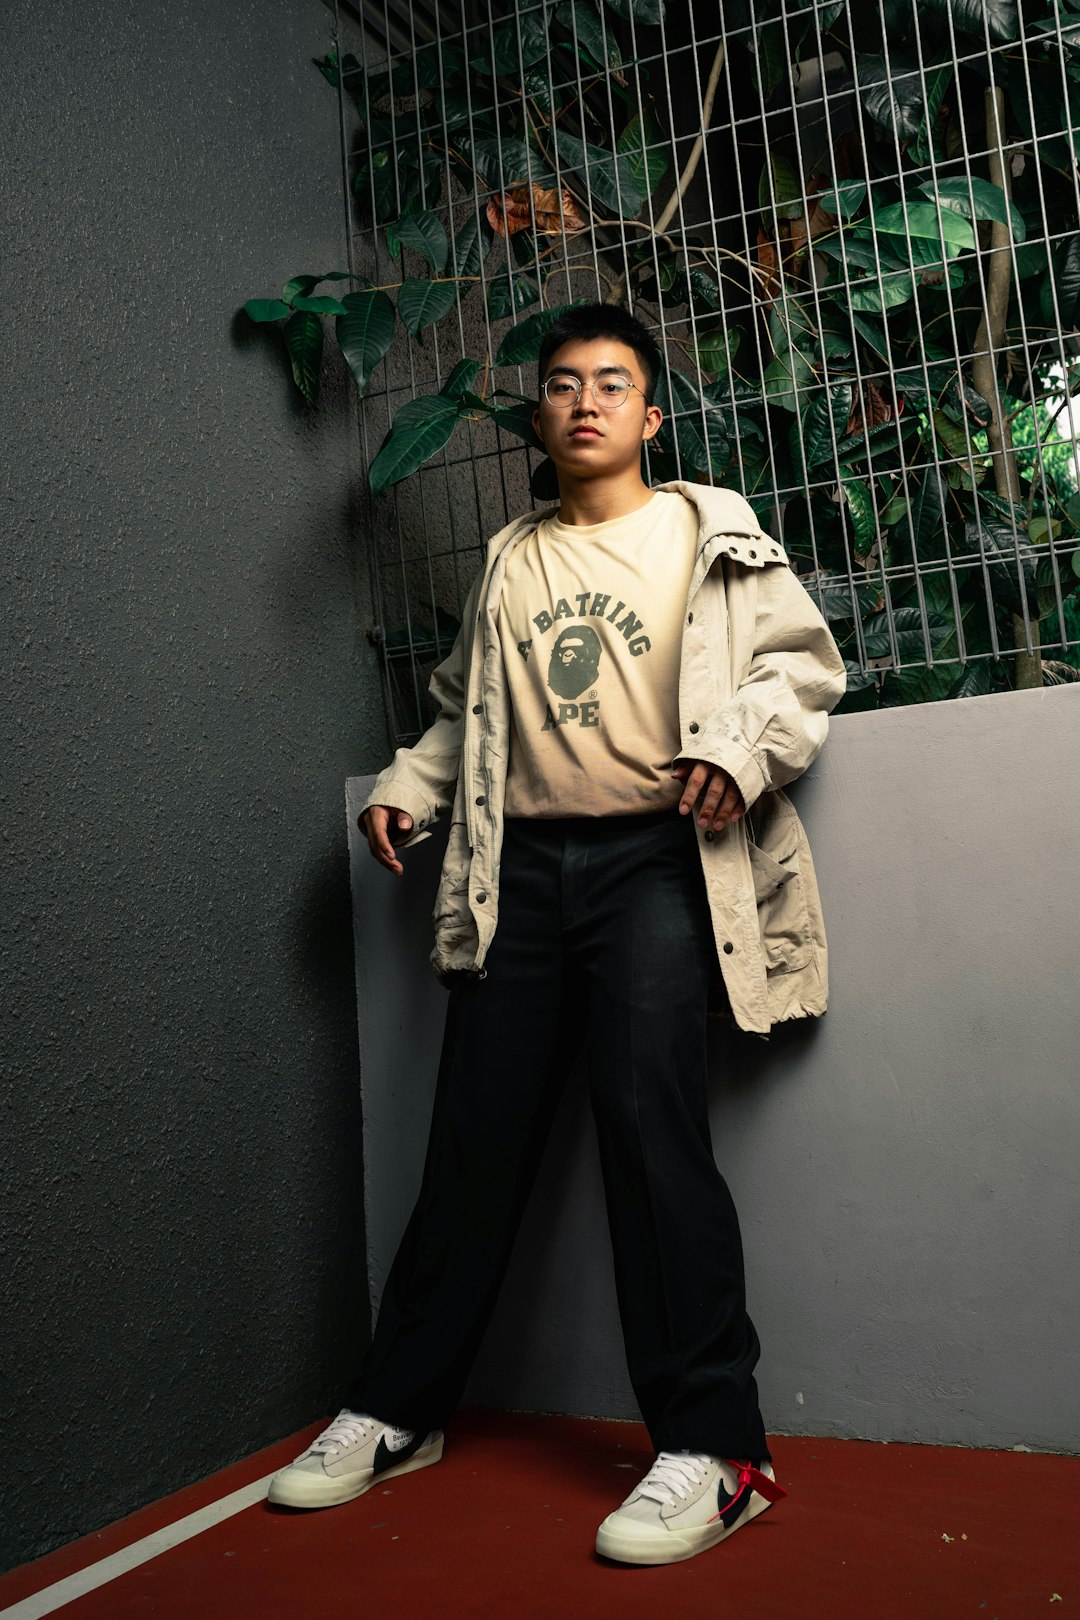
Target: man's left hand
x: 721, y: 800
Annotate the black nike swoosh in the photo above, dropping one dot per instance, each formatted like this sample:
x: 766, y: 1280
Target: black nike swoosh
x: 733, y: 1507
x: 385, y: 1458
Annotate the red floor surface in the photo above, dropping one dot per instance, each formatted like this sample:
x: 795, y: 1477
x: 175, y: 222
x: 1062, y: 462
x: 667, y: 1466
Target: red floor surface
x: 503, y: 1528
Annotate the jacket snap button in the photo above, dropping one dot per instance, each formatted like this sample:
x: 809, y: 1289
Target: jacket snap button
x: 690, y: 619
x: 478, y: 708
x: 728, y: 947
x: 481, y: 897
x: 709, y: 836
x: 753, y: 554
x: 481, y: 800
x: 694, y: 728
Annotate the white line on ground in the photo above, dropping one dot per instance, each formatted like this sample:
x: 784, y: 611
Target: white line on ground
x: 51, y: 1598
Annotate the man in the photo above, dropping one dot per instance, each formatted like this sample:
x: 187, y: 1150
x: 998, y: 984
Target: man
x: 637, y: 675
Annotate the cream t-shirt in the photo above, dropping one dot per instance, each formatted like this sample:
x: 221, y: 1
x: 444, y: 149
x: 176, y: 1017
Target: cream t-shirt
x: 590, y: 619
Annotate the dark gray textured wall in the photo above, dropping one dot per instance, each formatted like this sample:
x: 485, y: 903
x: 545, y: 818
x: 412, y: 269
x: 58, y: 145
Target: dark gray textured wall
x: 187, y: 687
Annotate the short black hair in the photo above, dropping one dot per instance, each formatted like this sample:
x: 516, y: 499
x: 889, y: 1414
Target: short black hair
x: 586, y: 321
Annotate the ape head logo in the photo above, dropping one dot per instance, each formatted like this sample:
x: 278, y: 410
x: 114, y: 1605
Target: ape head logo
x: 575, y: 659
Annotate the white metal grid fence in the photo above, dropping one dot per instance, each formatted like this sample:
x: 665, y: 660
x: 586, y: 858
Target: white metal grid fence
x: 854, y: 233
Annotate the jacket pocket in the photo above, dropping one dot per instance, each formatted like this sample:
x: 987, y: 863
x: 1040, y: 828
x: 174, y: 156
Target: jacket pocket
x: 783, y: 914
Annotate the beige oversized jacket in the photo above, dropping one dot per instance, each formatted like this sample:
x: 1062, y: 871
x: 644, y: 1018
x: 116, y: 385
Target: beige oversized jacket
x: 760, y: 672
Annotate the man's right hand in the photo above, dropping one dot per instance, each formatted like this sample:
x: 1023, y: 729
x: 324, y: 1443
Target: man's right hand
x: 383, y: 823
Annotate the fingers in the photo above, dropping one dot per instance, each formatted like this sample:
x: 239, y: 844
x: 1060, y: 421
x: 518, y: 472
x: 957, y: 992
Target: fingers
x: 721, y: 800
x: 377, y: 819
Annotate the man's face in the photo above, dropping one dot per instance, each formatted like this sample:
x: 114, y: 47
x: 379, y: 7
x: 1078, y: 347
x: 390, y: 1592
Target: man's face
x: 585, y: 439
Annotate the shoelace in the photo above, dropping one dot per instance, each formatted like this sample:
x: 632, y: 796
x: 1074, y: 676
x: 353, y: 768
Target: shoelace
x: 673, y: 1472
x: 346, y: 1427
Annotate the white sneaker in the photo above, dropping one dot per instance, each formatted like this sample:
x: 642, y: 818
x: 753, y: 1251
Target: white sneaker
x: 348, y: 1458
x: 686, y: 1502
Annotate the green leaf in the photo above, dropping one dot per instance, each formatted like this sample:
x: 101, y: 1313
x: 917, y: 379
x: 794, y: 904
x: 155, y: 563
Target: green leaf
x: 975, y: 680
x: 299, y: 285
x: 716, y: 350
x: 927, y: 513
x: 699, y: 425
x: 820, y: 426
x: 517, y: 419
x: 319, y: 306
x: 303, y: 333
x: 514, y: 46
x: 522, y: 343
x: 365, y: 332
x: 426, y: 235
x: 503, y: 299
x: 892, y: 93
x: 768, y: 48
x: 421, y: 303
x: 937, y: 82
x: 896, y: 288
x: 607, y: 177
x: 977, y: 17
x: 266, y: 309
x: 420, y: 428
x: 645, y: 147
x: 472, y: 244
x: 860, y: 507
x: 923, y: 219
x: 642, y: 11
x: 990, y: 201
x: 910, y: 641
x: 780, y: 190
x: 845, y: 198
x: 460, y: 379
x: 1067, y: 284
x: 582, y: 22
x: 505, y: 163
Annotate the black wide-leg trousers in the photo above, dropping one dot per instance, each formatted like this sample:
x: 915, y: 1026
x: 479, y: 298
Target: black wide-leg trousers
x: 604, y: 938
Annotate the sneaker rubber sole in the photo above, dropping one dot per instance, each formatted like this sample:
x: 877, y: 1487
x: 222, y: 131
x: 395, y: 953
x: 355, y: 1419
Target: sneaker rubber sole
x: 292, y: 1488
x: 628, y: 1542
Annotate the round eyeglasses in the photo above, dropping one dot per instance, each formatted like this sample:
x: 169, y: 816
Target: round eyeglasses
x: 608, y: 392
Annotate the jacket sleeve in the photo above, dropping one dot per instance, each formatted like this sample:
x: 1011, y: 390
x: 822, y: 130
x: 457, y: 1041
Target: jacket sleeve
x: 422, y: 779
x: 776, y: 723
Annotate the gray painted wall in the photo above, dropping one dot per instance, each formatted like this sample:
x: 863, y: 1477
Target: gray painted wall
x: 186, y: 686
x: 906, y: 1168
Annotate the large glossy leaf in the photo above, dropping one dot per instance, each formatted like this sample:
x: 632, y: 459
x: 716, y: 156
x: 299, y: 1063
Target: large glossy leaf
x: 927, y: 508
x: 987, y: 201
x: 845, y: 198
x: 460, y: 379
x: 820, y: 426
x: 860, y: 506
x: 908, y: 626
x: 365, y: 332
x: 892, y: 92
x: 645, y: 147
x: 607, y: 176
x: 583, y: 24
x: 505, y: 163
x: 266, y: 309
x: 700, y: 427
x: 514, y: 45
x: 937, y: 82
x: 715, y: 350
x: 642, y: 11
x: 976, y: 679
x: 522, y: 343
x: 923, y: 220
x: 504, y: 299
x: 425, y: 234
x: 871, y: 298
x: 420, y: 428
x: 780, y: 190
x: 303, y: 333
x: 517, y: 419
x: 976, y: 17
x: 320, y: 305
x: 471, y: 246
x: 421, y: 303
